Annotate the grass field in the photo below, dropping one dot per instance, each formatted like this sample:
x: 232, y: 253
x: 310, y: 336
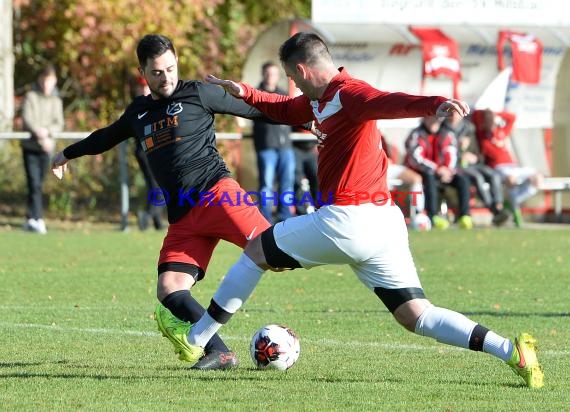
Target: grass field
x: 77, y: 332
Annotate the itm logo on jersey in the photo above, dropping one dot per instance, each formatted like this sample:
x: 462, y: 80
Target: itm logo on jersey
x: 174, y: 108
x: 160, y: 124
x: 156, y: 134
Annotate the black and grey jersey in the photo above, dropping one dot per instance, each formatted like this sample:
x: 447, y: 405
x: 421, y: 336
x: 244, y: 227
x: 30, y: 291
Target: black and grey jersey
x: 178, y: 136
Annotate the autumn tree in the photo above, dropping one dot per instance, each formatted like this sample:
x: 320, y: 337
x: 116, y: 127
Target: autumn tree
x: 93, y: 45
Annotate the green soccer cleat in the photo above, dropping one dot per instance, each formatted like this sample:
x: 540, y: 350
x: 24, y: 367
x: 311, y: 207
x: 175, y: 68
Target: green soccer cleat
x: 439, y: 222
x: 465, y: 222
x: 524, y: 361
x: 177, y: 332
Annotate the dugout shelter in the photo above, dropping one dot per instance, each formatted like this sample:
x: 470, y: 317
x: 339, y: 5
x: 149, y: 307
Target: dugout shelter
x: 503, y: 55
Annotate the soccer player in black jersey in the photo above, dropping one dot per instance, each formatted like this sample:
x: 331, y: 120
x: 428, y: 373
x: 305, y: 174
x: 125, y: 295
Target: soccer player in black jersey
x: 175, y: 127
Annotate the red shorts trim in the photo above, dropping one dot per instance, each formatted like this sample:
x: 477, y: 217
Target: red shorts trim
x: 193, y: 238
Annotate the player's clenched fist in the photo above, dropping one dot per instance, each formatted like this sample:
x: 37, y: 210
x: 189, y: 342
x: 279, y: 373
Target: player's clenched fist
x: 59, y: 165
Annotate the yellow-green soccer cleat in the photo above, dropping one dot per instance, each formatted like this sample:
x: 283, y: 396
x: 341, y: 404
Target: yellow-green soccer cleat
x: 465, y: 222
x: 524, y: 361
x: 177, y: 332
x: 439, y: 222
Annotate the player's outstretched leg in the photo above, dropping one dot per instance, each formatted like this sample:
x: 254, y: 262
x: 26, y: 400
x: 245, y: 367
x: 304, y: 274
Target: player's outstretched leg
x: 524, y: 361
x: 453, y: 328
x: 177, y: 331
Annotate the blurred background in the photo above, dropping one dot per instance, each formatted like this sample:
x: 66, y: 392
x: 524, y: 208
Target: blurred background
x: 385, y: 43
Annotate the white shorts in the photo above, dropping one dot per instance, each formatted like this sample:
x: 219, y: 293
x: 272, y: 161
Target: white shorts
x: 372, y: 239
x: 394, y: 171
x: 521, y: 173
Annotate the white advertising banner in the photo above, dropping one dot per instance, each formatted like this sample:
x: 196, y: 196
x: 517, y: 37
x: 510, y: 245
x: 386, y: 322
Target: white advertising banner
x: 398, y: 67
x: 441, y: 12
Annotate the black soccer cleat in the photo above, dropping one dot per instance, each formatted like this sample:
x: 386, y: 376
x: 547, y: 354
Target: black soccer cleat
x: 501, y: 217
x: 217, y: 360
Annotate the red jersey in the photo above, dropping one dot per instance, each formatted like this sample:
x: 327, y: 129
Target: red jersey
x: 351, y: 164
x: 427, y: 151
x: 388, y: 149
x: 493, y: 144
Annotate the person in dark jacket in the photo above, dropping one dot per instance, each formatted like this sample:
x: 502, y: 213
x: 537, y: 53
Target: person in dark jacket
x: 275, y: 156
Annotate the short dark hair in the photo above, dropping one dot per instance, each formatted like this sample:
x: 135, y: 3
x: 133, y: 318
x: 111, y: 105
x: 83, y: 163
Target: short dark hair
x: 47, y: 70
x: 303, y: 47
x: 153, y: 45
x: 267, y: 65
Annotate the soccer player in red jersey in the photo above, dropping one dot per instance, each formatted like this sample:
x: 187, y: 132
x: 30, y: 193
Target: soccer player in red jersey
x: 358, y: 226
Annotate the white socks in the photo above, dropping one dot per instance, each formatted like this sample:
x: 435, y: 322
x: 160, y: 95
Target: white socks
x: 203, y: 330
x: 236, y: 287
x: 452, y: 328
x: 445, y: 326
x: 498, y: 346
x: 418, y: 197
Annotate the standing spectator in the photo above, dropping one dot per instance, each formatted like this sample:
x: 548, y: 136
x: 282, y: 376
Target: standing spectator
x: 493, y: 130
x: 43, y: 116
x: 275, y: 156
x: 154, y: 212
x: 432, y: 152
x: 486, y: 180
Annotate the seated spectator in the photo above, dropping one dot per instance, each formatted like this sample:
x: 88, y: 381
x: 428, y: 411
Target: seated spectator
x: 414, y: 183
x: 493, y: 130
x: 432, y: 152
x: 486, y: 180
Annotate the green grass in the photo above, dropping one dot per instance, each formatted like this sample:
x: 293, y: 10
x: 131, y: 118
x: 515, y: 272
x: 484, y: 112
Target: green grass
x: 77, y: 333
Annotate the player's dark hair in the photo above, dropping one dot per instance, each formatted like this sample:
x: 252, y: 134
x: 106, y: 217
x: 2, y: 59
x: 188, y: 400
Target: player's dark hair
x: 152, y: 46
x: 303, y: 47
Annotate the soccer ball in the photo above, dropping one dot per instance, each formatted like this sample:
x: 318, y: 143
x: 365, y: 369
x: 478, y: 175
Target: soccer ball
x: 421, y: 222
x: 275, y: 346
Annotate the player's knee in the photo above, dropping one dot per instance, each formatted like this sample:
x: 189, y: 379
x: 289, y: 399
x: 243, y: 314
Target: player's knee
x: 408, y: 313
x: 267, y: 255
x: 407, y: 319
x: 254, y: 251
x: 170, y: 281
x: 405, y: 304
